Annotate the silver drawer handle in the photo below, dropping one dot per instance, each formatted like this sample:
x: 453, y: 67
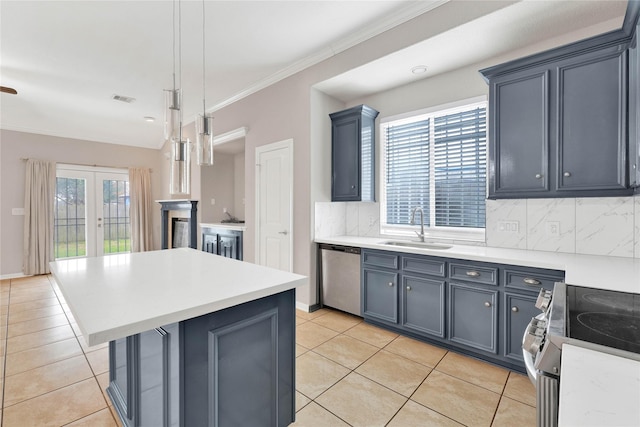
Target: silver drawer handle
x: 473, y: 274
x: 538, y: 176
x: 487, y: 304
x: 531, y: 281
x: 408, y: 288
x: 514, y: 309
x: 390, y: 283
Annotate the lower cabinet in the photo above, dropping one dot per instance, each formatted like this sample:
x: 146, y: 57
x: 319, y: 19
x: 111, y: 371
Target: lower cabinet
x: 474, y: 307
x: 234, y: 367
x: 380, y: 295
x: 473, y: 317
x: 223, y: 242
x: 423, y: 305
x: 518, y: 312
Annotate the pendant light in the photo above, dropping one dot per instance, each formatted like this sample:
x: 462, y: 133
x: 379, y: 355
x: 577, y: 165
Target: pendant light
x: 180, y: 177
x: 204, y: 122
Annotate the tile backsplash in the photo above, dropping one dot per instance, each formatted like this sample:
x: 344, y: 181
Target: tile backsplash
x: 595, y: 226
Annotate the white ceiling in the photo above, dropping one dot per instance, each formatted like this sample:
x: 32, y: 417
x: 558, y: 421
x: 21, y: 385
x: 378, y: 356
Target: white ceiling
x: 68, y: 58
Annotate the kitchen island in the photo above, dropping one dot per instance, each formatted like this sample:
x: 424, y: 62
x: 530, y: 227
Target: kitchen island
x: 194, y: 339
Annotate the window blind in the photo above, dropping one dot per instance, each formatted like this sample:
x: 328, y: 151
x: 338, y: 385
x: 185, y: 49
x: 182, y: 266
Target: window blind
x: 437, y: 163
x: 407, y: 170
x: 460, y: 164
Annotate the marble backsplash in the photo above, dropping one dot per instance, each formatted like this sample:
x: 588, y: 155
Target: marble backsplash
x: 596, y: 226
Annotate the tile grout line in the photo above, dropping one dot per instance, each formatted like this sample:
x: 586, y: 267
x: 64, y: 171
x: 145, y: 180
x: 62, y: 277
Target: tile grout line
x: 379, y: 349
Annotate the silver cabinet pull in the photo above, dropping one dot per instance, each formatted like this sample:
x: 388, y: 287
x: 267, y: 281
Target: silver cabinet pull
x: 566, y: 174
x: 514, y: 309
x: 285, y: 232
x: 487, y: 304
x: 390, y: 283
x: 531, y: 281
x: 538, y: 175
x: 353, y: 187
x: 408, y: 288
x: 473, y: 274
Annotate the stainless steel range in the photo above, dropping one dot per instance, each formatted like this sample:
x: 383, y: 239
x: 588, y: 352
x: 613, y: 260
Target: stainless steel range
x: 602, y: 320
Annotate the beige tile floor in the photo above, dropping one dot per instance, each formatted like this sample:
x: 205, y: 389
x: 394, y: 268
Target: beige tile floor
x: 348, y: 373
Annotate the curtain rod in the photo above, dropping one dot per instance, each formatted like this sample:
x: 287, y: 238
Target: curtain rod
x: 24, y: 159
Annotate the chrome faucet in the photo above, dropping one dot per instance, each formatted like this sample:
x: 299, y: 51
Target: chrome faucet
x: 413, y: 217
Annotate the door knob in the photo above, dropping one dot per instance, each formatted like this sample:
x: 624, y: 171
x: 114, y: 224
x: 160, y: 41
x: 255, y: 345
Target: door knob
x: 285, y: 232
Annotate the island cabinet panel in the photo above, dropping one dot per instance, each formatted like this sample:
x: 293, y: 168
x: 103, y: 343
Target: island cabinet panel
x: 234, y: 367
x: 239, y: 367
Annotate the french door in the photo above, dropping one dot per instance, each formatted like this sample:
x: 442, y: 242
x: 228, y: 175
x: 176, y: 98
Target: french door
x: 91, y: 212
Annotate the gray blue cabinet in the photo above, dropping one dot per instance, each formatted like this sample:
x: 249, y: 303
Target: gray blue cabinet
x: 353, y: 154
x: 423, y: 305
x: 473, y: 316
x: 559, y: 122
x: 473, y: 307
x: 380, y: 294
x: 518, y: 309
x: 234, y: 367
x: 222, y: 241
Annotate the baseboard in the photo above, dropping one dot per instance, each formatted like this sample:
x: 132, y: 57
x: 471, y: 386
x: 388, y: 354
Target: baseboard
x: 13, y: 276
x: 302, y: 306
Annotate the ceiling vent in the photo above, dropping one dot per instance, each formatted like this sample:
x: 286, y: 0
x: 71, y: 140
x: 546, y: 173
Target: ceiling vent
x: 126, y: 99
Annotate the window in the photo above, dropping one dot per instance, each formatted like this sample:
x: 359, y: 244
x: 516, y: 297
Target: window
x: 436, y: 161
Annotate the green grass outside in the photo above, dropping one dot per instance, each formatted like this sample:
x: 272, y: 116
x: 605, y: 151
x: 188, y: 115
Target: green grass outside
x: 110, y: 246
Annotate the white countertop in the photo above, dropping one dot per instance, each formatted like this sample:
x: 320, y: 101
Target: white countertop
x: 598, y: 389
x: 228, y: 225
x: 605, y: 272
x: 120, y: 295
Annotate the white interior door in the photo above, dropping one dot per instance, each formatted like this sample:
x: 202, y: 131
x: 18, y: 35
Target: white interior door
x: 274, y: 202
x: 91, y: 212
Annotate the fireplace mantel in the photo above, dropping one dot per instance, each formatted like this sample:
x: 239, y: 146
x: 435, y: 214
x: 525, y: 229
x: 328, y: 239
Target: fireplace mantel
x: 179, y: 205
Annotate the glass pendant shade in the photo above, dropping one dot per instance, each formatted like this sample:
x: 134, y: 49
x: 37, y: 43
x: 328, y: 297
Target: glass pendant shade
x: 180, y: 167
x: 172, y: 114
x: 204, y: 140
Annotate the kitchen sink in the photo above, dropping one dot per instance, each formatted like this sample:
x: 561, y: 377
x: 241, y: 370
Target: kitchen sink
x: 419, y: 245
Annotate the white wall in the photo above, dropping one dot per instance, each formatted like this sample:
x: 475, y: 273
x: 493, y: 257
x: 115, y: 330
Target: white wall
x: 217, y: 182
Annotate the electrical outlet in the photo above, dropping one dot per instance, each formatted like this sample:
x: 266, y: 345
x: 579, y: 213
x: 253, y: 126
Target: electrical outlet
x: 213, y: 202
x: 553, y: 228
x: 372, y: 221
x: 508, y: 226
x: 17, y: 211
x: 224, y: 210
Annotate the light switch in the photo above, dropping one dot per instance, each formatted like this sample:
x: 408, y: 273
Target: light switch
x: 213, y: 201
x: 17, y: 211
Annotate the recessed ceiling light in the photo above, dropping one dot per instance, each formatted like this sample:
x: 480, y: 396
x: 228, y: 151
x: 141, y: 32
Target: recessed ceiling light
x: 419, y: 69
x: 149, y: 119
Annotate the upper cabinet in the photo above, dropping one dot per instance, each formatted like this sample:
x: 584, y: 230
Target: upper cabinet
x: 558, y: 124
x: 353, y: 154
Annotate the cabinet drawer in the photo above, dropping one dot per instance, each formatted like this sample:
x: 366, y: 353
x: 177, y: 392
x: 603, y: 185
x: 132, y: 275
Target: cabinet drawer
x: 531, y: 280
x: 380, y: 259
x: 474, y: 273
x: 423, y: 265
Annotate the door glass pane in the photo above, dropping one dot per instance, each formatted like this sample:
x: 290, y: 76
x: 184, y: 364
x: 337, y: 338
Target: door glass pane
x: 70, y: 218
x: 115, y: 216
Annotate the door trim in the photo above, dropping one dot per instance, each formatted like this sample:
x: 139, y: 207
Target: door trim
x: 288, y: 144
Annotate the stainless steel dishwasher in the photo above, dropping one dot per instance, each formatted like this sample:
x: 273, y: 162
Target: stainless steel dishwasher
x: 340, y: 285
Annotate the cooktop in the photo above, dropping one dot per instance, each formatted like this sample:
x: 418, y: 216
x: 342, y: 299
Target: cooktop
x: 604, y: 317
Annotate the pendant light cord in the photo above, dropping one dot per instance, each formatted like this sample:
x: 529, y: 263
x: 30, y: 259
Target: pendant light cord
x: 204, y: 105
x: 173, y: 43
